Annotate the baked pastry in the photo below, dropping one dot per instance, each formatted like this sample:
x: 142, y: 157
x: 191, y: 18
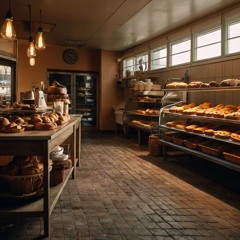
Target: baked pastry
x: 222, y: 134
x: 204, y: 85
x: 190, y: 128
x: 195, y: 84
x: 45, y: 126
x: 233, y: 115
x: 200, y: 129
x: 174, y: 123
x: 3, y: 122
x: 177, y: 85
x: 235, y: 137
x: 229, y: 83
x: 209, y: 132
x: 213, y: 84
x: 17, y: 120
x: 181, y: 126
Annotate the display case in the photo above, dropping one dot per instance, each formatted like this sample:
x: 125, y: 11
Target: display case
x: 141, y: 113
x: 86, y: 99
x: 202, y: 129
x: 82, y: 91
x: 7, y: 82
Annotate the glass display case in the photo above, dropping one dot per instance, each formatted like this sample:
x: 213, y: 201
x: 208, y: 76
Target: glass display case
x: 7, y: 82
x: 202, y: 129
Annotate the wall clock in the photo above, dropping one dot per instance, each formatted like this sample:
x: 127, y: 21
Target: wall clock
x: 70, y: 56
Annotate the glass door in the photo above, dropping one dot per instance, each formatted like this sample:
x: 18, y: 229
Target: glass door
x: 7, y: 82
x: 86, y: 98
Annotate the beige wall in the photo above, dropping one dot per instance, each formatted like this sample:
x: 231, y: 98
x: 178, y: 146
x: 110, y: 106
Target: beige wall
x: 51, y: 58
x: 103, y: 62
x: 111, y: 96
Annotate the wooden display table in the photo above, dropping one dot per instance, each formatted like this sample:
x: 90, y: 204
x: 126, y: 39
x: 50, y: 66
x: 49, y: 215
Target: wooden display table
x: 41, y: 143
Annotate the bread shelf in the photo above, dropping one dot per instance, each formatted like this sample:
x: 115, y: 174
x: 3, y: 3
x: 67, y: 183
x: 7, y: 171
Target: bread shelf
x: 166, y: 116
x: 138, y: 109
x: 200, y: 135
x: 142, y: 114
x: 208, y: 89
x: 213, y: 159
x: 197, y: 117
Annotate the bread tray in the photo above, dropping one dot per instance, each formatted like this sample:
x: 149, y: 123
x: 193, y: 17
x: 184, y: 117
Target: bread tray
x: 214, y: 148
x: 167, y: 136
x: 193, y: 143
x: 179, y: 138
x: 232, y: 156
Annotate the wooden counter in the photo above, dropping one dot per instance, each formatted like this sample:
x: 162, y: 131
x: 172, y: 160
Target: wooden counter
x: 41, y: 143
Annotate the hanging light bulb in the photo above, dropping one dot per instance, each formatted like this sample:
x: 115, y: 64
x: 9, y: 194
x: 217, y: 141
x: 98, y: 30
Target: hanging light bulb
x: 40, y: 42
x: 32, y: 61
x: 31, y: 51
x: 7, y: 31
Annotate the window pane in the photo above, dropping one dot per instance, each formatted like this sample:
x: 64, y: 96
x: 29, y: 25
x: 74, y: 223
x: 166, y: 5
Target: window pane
x: 208, y: 51
x: 141, y: 62
x: 159, y: 63
x: 209, y: 38
x: 159, y: 58
x: 155, y: 54
x: 181, y: 47
x: 163, y: 62
x: 234, y: 30
x: 181, y: 58
x: 234, y: 45
x: 163, y: 52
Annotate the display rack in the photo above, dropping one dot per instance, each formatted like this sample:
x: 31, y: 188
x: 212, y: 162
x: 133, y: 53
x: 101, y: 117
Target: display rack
x: 166, y: 115
x: 141, y: 113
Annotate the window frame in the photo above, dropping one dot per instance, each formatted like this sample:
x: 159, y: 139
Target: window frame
x: 226, y: 39
x: 159, y: 58
x: 182, y: 40
x: 205, y: 32
x: 146, y: 61
x: 130, y: 67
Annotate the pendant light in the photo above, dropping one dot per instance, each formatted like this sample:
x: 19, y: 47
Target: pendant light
x: 31, y: 51
x: 8, y: 32
x: 32, y: 61
x: 40, y: 42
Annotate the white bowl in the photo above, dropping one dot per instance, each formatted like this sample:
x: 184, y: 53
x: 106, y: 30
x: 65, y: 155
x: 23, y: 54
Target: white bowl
x: 59, y: 158
x: 57, y: 151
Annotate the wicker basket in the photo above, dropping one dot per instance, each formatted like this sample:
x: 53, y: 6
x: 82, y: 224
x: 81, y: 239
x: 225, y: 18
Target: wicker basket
x: 21, y: 185
x: 155, y: 147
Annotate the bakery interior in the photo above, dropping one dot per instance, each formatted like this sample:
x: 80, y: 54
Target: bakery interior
x: 162, y: 75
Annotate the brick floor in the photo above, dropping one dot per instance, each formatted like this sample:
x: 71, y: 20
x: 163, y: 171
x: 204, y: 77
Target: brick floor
x: 121, y: 193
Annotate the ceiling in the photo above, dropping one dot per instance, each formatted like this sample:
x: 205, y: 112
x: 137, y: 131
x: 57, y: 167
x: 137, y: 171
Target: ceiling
x: 114, y: 25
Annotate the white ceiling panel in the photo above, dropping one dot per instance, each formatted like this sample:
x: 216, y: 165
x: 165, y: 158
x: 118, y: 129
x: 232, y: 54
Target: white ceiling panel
x: 115, y: 25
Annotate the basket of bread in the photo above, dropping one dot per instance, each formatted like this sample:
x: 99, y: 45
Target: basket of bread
x: 23, y: 175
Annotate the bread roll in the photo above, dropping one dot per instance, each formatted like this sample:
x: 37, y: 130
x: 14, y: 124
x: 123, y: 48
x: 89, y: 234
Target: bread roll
x: 45, y: 126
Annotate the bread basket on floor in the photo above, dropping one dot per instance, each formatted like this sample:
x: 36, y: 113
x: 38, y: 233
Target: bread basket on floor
x: 21, y: 185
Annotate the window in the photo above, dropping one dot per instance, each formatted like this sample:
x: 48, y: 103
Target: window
x: 141, y: 62
x: 159, y: 58
x: 208, y: 44
x: 128, y: 67
x: 180, y: 52
x: 233, y: 37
